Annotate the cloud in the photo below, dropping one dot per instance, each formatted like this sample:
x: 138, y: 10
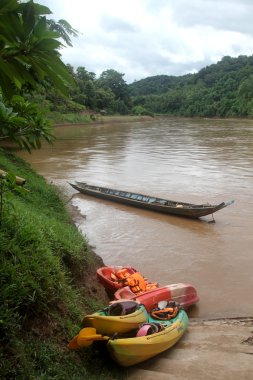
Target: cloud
x: 229, y: 15
x: 117, y: 25
x: 142, y: 38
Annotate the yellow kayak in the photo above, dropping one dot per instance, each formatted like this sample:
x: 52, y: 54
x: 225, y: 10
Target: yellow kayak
x: 120, y: 317
x: 132, y: 341
x: 130, y: 351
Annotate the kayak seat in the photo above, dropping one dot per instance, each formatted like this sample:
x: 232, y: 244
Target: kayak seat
x: 149, y: 329
x: 115, y: 309
x: 123, y: 308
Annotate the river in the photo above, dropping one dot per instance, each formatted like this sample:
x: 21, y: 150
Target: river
x: 188, y: 160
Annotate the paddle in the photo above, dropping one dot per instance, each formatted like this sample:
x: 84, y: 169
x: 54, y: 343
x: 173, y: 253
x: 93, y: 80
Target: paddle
x: 85, y: 338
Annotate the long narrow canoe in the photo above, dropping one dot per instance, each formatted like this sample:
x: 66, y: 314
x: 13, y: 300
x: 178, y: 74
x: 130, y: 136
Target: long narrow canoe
x: 148, y: 202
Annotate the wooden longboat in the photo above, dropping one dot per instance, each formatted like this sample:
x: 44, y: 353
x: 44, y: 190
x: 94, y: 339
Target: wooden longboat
x: 149, y: 202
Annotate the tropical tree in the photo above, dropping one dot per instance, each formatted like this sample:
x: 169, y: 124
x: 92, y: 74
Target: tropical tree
x: 113, y: 80
x: 104, y: 99
x: 29, y: 53
x: 85, y: 81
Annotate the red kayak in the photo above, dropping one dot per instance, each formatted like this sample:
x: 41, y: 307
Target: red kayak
x: 116, y: 277
x: 185, y: 294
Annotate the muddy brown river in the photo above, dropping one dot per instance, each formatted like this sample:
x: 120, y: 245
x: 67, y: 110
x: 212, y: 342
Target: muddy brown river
x: 188, y: 160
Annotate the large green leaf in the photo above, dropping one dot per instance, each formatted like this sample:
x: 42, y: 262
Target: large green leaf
x: 27, y: 75
x: 64, y: 29
x: 8, y: 6
x: 38, y: 8
x: 56, y: 79
x: 6, y: 85
x: 47, y: 45
x: 58, y: 66
x: 29, y: 54
x: 28, y: 17
x: 8, y: 69
x: 41, y: 29
x: 11, y: 28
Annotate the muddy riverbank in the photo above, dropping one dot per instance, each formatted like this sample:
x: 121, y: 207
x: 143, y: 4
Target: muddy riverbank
x: 211, y: 349
x: 219, y: 348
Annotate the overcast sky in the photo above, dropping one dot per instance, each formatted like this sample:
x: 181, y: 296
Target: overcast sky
x: 142, y: 38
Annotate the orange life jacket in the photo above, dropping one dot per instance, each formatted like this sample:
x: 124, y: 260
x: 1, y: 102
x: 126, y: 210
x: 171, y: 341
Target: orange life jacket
x: 151, y: 286
x: 136, y: 282
x: 114, y: 278
x: 121, y: 275
x: 165, y: 314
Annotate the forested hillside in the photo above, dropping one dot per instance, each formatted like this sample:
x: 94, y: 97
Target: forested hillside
x: 224, y: 89
x: 154, y: 85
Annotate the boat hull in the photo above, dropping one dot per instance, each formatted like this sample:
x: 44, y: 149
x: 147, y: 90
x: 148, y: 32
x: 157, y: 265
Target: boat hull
x: 185, y: 294
x: 147, y: 202
x: 129, y: 351
x: 108, y: 325
x: 104, y: 277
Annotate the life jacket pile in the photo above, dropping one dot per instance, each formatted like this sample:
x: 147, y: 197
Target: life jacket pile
x: 136, y: 282
x: 167, y: 313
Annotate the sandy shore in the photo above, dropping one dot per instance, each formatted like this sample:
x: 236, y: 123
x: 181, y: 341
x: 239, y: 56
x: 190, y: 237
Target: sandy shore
x: 211, y: 349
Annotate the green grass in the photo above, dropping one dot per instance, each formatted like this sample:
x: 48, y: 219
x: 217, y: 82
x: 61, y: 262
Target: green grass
x: 68, y: 118
x: 46, y: 266
x: 78, y: 118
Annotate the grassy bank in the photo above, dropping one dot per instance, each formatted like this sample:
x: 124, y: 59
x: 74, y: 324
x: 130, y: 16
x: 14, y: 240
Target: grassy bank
x: 47, y: 282
x: 61, y: 119
x: 69, y: 118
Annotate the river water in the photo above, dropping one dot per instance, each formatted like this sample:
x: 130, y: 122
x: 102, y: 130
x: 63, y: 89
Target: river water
x: 188, y: 160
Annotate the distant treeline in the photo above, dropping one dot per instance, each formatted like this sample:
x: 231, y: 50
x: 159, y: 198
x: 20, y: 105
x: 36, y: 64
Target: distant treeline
x: 224, y: 89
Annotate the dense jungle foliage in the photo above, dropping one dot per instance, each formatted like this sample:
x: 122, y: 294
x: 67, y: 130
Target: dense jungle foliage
x: 224, y: 89
x: 29, y: 56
